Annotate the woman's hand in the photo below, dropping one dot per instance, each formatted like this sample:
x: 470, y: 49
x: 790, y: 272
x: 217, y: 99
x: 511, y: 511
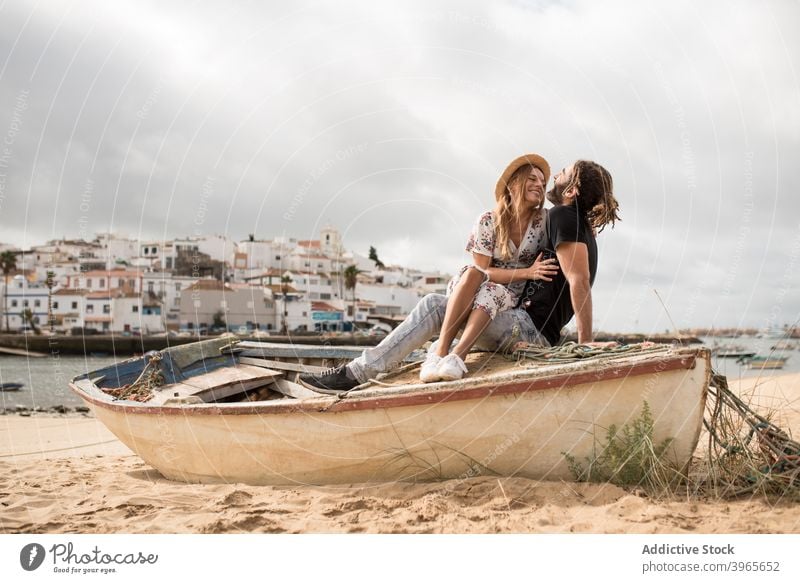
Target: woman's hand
x: 543, y: 269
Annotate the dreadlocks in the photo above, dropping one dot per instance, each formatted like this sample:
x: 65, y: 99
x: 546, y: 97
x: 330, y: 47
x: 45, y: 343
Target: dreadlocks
x: 596, y: 203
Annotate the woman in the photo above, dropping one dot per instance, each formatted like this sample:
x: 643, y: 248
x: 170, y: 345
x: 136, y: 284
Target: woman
x: 506, y: 246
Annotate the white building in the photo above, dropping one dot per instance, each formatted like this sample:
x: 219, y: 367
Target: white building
x: 164, y: 289
x: 388, y: 299
x: 103, y: 280
x: 23, y: 296
x: 69, y: 308
x: 237, y: 304
x: 118, y: 250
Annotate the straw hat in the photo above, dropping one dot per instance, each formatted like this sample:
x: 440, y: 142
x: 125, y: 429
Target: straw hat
x: 534, y: 159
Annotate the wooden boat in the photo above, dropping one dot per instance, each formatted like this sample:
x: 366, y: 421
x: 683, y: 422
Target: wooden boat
x: 783, y: 345
x: 8, y: 387
x: 765, y: 362
x: 733, y: 351
x: 234, y: 413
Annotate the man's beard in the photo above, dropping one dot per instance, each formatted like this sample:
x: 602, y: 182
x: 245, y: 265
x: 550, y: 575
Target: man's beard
x: 556, y: 194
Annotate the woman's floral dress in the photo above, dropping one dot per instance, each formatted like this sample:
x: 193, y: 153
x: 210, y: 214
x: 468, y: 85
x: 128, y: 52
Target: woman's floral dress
x: 494, y: 298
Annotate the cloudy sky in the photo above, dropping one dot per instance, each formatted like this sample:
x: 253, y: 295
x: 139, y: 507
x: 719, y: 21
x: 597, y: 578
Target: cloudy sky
x: 394, y: 122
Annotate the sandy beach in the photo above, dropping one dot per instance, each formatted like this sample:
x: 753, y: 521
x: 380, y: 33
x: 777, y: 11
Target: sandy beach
x: 70, y: 475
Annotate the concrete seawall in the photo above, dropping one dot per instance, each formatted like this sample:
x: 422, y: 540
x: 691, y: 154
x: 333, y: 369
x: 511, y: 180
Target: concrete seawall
x: 119, y: 345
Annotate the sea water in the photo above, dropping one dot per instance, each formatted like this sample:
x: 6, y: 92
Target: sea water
x: 45, y: 379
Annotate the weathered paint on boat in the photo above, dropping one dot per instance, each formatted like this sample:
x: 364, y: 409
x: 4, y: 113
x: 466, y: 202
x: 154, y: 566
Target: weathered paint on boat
x: 519, y: 422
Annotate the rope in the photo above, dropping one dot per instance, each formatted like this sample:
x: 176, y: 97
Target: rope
x: 142, y: 389
x: 571, y: 351
x: 5, y: 455
x: 769, y: 455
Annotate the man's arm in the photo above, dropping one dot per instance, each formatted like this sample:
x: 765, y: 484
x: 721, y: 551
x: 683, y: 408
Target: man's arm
x: 574, y: 261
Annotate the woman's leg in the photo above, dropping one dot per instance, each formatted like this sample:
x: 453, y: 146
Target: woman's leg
x: 424, y: 322
x: 459, y: 307
x: 476, y: 323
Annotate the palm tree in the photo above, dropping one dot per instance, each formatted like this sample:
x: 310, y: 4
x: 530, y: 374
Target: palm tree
x: 350, y: 281
x: 373, y: 255
x: 28, y: 318
x: 285, y: 281
x: 8, y: 262
x: 49, y: 282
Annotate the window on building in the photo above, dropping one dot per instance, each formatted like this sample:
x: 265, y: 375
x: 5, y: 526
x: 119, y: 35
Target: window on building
x: 90, y: 308
x: 55, y: 305
x: 135, y: 309
x: 177, y: 287
x: 132, y: 283
x: 277, y: 258
x: 324, y: 296
x: 102, y: 283
x: 88, y: 283
x: 37, y: 303
x: 121, y: 282
x: 14, y: 303
x: 150, y: 287
x: 153, y: 251
x: 106, y: 309
x: 146, y: 250
x: 305, y: 314
x: 74, y: 305
x: 24, y: 303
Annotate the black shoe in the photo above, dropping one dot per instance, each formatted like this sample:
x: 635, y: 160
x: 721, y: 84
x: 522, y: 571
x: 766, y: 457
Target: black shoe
x: 331, y: 381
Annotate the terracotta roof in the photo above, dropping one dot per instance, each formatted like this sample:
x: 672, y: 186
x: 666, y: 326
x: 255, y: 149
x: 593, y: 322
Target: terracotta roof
x: 99, y: 295
x: 208, y: 284
x: 276, y: 289
x: 70, y: 292
x: 98, y: 318
x: 309, y: 243
x: 110, y: 273
x: 323, y: 307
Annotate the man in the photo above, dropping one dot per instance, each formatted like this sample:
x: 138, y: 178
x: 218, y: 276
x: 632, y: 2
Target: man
x: 584, y: 203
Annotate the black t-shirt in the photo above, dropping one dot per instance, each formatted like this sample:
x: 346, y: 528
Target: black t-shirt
x: 551, y: 305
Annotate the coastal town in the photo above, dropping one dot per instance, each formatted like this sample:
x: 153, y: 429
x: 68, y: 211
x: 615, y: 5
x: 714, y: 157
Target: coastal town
x: 115, y: 284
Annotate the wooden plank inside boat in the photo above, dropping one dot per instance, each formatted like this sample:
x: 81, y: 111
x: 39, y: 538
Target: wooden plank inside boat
x: 277, y: 365
x: 218, y: 384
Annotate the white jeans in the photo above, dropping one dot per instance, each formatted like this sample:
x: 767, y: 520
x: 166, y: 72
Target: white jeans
x: 425, y: 322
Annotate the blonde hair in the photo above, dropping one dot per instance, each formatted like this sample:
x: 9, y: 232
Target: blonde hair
x: 508, y: 209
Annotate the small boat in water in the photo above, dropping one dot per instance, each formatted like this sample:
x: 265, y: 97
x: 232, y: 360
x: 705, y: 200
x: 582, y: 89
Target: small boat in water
x: 733, y: 351
x: 783, y: 345
x: 765, y: 362
x: 8, y: 387
x: 222, y: 411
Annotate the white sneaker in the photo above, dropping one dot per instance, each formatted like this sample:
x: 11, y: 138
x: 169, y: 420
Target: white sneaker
x: 429, y: 373
x: 451, y: 368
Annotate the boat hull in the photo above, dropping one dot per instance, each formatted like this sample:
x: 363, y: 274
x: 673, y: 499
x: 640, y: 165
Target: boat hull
x: 507, y: 427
